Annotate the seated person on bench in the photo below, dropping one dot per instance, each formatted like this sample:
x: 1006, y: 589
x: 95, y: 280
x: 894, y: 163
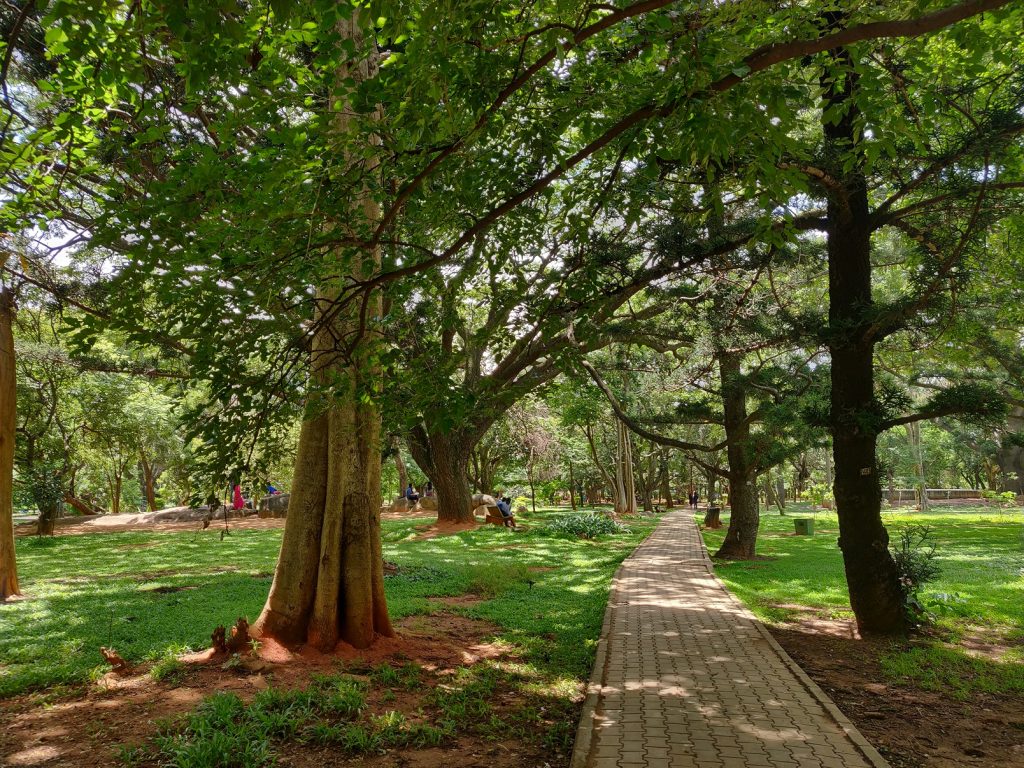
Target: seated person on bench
x: 410, y: 494
x: 505, y: 507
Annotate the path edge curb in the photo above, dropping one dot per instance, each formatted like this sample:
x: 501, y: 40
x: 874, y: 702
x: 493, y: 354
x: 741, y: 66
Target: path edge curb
x: 595, y: 684
x: 872, y: 755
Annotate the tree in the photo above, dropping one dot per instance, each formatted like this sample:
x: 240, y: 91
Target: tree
x: 8, y: 421
x: 857, y: 325
x: 332, y: 536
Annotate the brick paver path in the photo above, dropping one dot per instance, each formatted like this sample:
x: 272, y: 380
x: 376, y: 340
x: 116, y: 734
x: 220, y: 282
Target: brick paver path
x: 685, y: 676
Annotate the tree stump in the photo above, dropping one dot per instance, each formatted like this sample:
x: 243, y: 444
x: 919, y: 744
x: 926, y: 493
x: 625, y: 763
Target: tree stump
x: 712, y: 518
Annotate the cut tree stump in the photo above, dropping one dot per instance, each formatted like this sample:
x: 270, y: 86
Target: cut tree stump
x: 712, y: 518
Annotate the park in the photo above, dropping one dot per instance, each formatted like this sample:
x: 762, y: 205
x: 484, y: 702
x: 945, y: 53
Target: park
x: 576, y: 385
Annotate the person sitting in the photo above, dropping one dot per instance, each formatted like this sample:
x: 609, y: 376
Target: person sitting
x: 505, y: 507
x: 271, y: 490
x: 411, y: 496
x: 429, y: 490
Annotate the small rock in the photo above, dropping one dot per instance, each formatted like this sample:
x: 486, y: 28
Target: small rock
x: 259, y: 682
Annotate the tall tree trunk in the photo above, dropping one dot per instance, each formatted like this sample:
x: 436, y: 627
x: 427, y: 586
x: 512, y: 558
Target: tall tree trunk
x: 444, y: 458
x: 8, y: 424
x: 744, y: 514
x: 875, y: 592
x: 828, y: 467
x: 403, y: 473
x: 329, y: 581
x: 772, y: 494
x: 914, y: 435
x: 712, y: 480
x: 115, y: 494
x: 529, y: 479
x: 148, y: 482
x: 572, y: 488
x: 624, y: 485
x: 666, y: 480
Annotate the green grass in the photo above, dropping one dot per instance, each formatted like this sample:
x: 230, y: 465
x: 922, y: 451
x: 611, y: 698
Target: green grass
x: 980, y: 588
x: 153, y: 594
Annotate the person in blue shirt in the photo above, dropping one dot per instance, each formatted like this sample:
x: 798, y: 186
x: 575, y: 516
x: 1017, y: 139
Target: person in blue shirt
x: 410, y: 494
x: 505, y: 507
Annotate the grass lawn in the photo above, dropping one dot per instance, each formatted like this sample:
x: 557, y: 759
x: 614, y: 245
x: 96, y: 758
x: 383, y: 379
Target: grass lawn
x: 151, y: 595
x: 979, y: 592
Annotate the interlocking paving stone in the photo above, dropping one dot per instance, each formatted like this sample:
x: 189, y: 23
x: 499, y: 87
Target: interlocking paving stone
x: 688, y: 678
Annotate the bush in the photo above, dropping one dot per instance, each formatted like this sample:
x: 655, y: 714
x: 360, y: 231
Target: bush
x: 915, y: 562
x: 589, y: 525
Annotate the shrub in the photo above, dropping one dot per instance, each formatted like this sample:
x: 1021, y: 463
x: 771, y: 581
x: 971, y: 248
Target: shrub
x: 915, y: 562
x: 588, y: 525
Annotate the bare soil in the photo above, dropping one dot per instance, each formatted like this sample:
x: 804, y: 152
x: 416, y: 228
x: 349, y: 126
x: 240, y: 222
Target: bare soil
x: 117, y: 523
x: 85, y: 729
x: 910, y: 726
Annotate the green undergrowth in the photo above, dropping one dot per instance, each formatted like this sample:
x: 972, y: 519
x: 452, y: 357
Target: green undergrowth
x: 333, y: 711
x: 950, y: 670
x: 978, y: 592
x: 591, y: 525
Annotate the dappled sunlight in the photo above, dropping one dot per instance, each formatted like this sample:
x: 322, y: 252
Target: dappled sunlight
x: 152, y: 595
x: 980, y: 553
x: 688, y: 661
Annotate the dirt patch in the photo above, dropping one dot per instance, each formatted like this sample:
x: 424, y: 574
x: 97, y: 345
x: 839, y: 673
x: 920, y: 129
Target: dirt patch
x: 74, y: 527
x: 912, y: 727
x: 168, y: 590
x: 86, y: 728
x: 443, y: 529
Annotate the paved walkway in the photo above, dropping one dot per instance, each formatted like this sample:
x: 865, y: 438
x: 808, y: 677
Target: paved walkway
x: 686, y: 677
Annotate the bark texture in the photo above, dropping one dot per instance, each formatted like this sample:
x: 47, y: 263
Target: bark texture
x: 444, y: 458
x: 149, y: 477
x: 8, y: 566
x: 329, y: 582
x: 744, y: 513
x: 875, y: 592
x: 624, y: 484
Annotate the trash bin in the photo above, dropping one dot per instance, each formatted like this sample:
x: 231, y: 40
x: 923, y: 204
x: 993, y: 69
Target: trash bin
x: 804, y: 526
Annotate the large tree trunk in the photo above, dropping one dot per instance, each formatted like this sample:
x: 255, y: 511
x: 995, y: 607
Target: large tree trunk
x: 875, y: 592
x: 744, y: 514
x: 329, y: 582
x: 8, y: 423
x: 444, y: 458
